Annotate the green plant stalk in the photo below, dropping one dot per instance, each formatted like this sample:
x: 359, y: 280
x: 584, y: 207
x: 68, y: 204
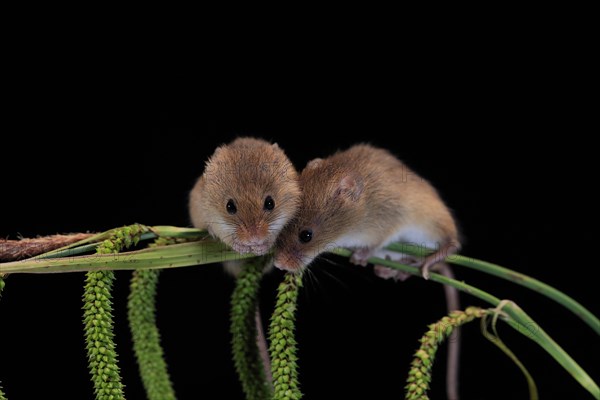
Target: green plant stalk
x: 495, y: 339
x: 509, y: 275
x: 203, y: 253
x: 153, y: 232
x: 2, y: 284
x: 519, y: 320
x: 98, y: 321
x: 141, y: 311
x: 419, y: 375
x: 246, y: 357
x: 208, y: 251
x: 283, y: 345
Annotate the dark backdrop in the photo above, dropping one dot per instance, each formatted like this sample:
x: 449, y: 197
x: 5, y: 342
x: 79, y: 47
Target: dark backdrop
x: 496, y: 149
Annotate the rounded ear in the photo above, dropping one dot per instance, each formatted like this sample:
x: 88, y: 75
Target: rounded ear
x: 314, y: 163
x: 275, y: 146
x: 350, y: 187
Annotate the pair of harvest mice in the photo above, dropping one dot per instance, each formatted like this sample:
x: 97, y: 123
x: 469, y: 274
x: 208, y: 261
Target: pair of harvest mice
x: 363, y: 198
x: 251, y: 197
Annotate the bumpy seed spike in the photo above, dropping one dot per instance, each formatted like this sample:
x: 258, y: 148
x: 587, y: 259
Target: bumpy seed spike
x: 419, y: 375
x: 283, y: 345
x: 98, y: 320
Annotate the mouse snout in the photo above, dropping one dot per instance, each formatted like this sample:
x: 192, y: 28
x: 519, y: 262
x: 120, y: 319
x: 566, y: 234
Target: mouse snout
x: 252, y: 238
x: 287, y: 261
x: 253, y: 234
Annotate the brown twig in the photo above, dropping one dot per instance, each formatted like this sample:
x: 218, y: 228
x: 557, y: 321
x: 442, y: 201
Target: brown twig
x: 11, y: 250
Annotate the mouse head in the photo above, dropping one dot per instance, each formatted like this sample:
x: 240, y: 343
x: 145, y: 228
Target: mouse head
x: 332, y: 201
x: 251, y: 192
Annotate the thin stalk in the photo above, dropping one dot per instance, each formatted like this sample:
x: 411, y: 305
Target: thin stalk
x: 519, y: 320
x: 509, y: 275
x: 208, y: 251
x: 495, y: 339
x: 153, y: 232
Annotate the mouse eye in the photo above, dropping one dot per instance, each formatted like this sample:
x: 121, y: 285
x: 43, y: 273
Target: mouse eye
x: 305, y: 236
x: 269, y: 203
x: 231, y: 208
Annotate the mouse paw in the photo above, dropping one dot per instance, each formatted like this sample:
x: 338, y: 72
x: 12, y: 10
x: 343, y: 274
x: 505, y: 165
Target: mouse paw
x: 361, y: 257
x: 387, y: 273
x: 425, y: 270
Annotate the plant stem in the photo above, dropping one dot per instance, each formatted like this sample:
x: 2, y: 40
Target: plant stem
x: 509, y: 275
x: 519, y: 320
x: 154, y: 232
x: 208, y: 251
x: 495, y: 339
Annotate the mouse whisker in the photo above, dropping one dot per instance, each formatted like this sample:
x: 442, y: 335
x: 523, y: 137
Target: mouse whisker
x: 349, y: 269
x: 336, y: 279
x: 313, y: 286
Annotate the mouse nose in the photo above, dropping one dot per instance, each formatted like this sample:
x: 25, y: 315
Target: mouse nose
x: 256, y: 241
x: 254, y: 235
x: 284, y: 262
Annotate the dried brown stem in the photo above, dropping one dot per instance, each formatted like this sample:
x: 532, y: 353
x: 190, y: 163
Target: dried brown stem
x: 12, y: 250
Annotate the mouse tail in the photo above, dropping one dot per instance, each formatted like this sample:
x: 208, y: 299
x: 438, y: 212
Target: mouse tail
x: 453, y: 355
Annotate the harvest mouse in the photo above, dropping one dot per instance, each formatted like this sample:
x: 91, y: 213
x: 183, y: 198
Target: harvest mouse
x: 247, y: 193
x: 364, y: 198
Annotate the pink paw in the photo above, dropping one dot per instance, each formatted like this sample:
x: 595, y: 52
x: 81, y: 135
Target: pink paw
x: 387, y: 273
x: 361, y: 257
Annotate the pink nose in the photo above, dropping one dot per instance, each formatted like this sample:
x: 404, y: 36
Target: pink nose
x: 284, y: 262
x: 254, y: 241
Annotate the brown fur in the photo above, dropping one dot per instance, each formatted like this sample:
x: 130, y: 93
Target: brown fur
x: 245, y: 171
x: 365, y: 191
x: 362, y: 198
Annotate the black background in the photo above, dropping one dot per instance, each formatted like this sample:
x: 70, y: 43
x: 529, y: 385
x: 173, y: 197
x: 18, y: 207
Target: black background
x: 499, y: 143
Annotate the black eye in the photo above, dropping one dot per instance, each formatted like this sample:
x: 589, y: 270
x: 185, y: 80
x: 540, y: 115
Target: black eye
x: 231, y: 208
x: 305, y: 236
x: 269, y: 203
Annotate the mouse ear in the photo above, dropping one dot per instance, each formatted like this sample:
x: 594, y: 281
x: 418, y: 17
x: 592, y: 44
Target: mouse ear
x: 314, y: 163
x: 350, y: 187
x: 275, y: 146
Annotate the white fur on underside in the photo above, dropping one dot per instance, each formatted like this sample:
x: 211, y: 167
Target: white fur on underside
x: 415, y: 235
x: 408, y: 234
